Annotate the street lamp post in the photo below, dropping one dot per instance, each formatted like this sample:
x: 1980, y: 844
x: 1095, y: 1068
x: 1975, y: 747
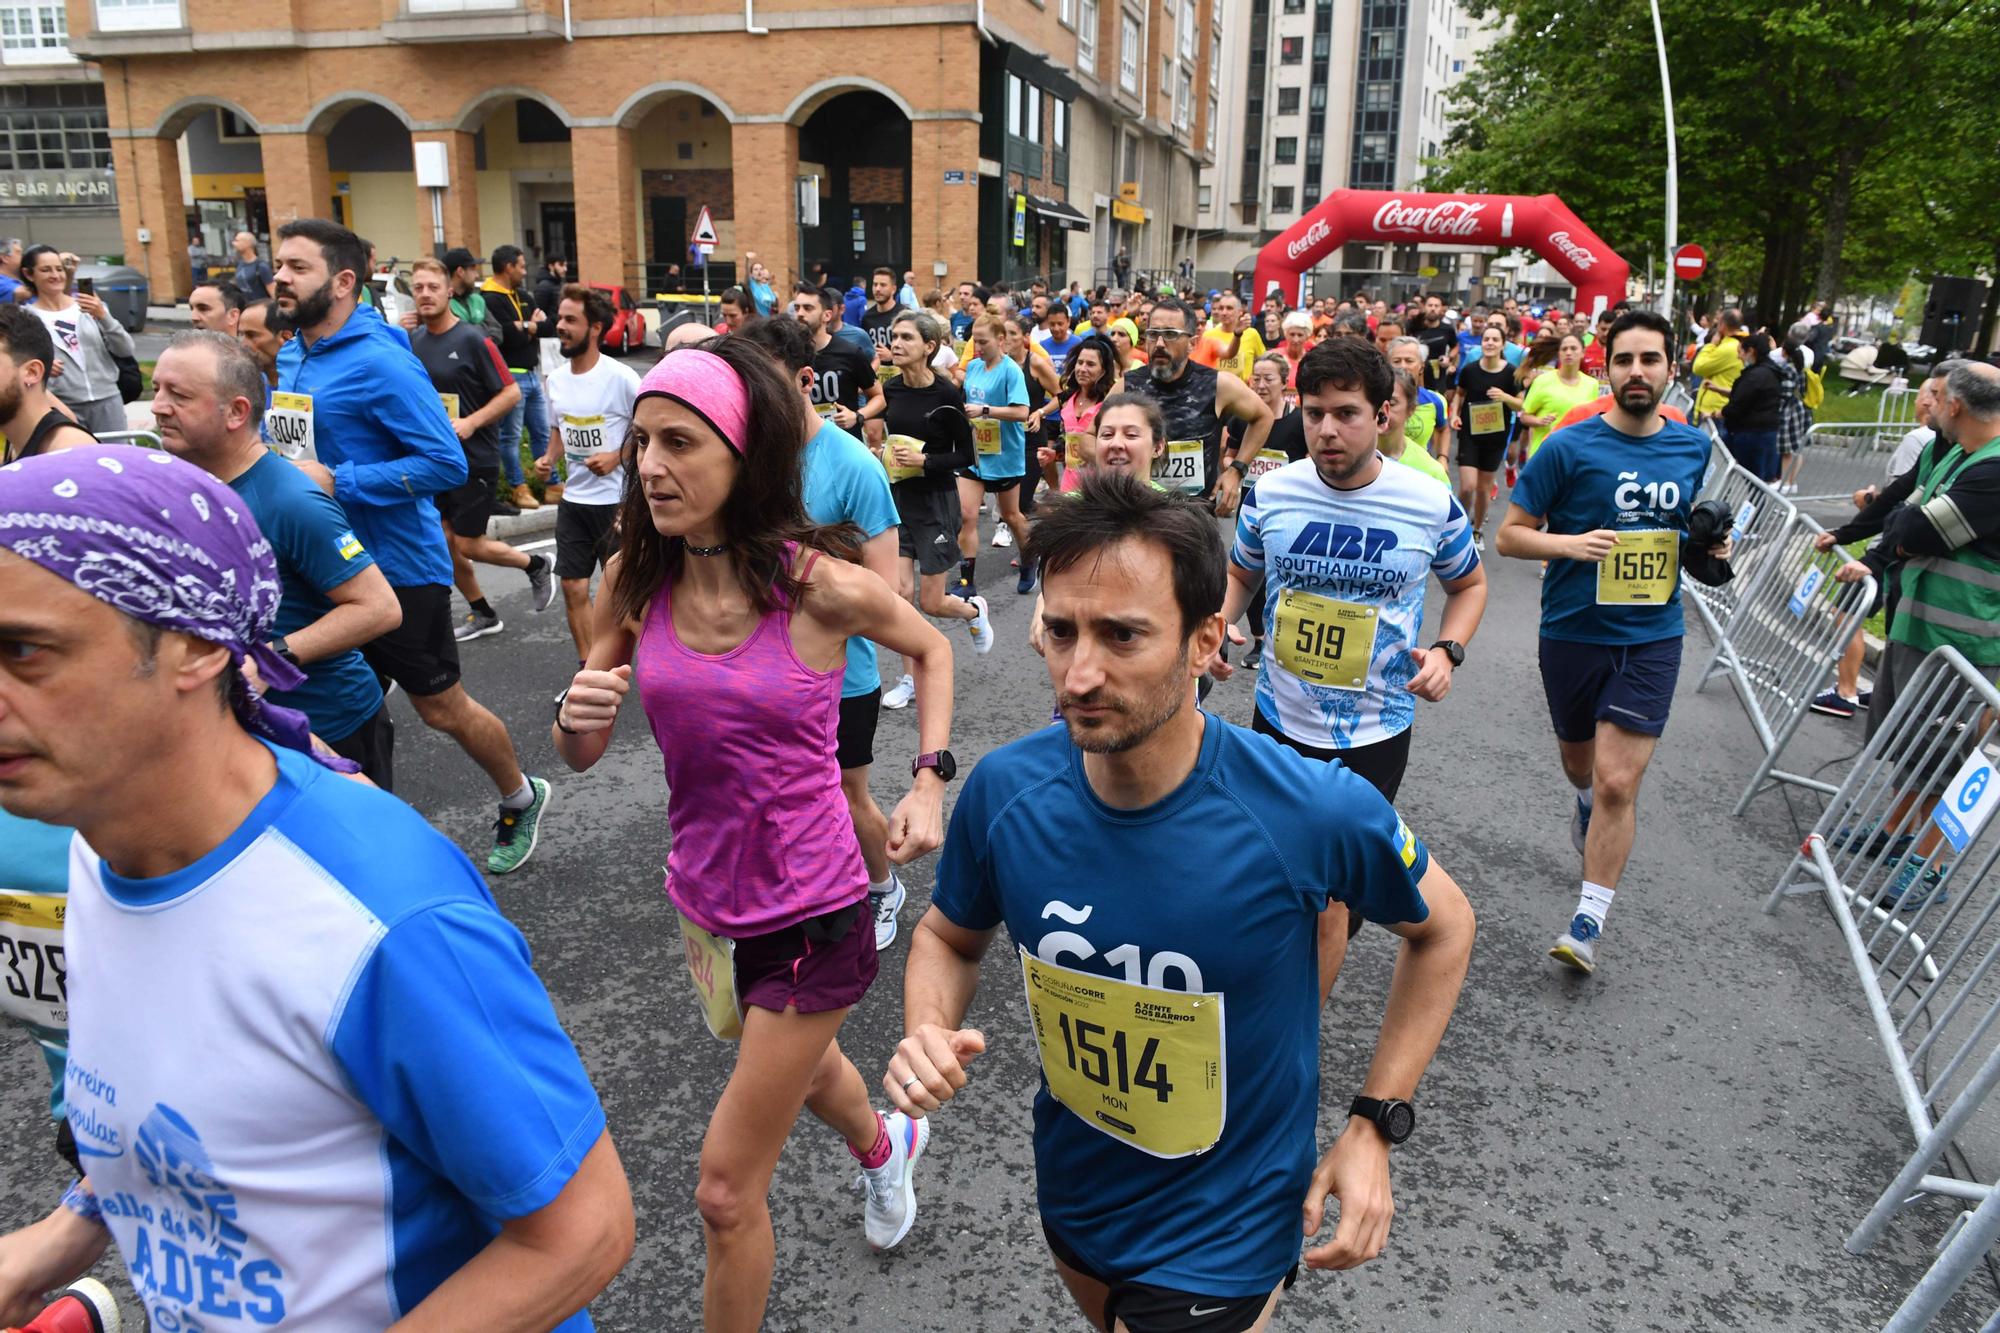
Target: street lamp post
x: 1673, y: 166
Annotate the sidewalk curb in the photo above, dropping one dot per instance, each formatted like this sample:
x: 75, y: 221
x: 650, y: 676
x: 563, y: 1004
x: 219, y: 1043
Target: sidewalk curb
x: 1871, y: 650
x: 527, y: 523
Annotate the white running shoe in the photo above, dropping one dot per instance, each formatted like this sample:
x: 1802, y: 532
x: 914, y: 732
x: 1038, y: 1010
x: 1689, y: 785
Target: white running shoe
x: 891, y: 1209
x: 885, y: 905
x: 900, y: 694
x: 981, y: 626
x: 1003, y: 535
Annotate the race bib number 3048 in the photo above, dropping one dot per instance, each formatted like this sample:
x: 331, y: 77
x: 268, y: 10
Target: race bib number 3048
x: 289, y: 423
x: 1146, y: 1066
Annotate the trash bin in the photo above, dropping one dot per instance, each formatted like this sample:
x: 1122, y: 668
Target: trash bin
x: 123, y: 290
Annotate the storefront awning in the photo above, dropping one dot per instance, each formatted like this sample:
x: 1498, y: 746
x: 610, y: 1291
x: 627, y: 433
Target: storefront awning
x: 1058, y: 213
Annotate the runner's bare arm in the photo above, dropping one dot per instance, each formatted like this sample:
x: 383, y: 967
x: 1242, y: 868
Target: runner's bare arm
x: 1243, y: 584
x: 938, y: 984
x: 364, y: 608
x: 499, y: 405
x: 600, y: 687
x: 44, y: 1255
x: 544, y: 1267
x: 1521, y: 538
x: 1464, y: 604
x: 1234, y: 398
x: 1430, y: 968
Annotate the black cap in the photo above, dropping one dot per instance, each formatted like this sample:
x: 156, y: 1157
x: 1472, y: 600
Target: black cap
x: 459, y: 257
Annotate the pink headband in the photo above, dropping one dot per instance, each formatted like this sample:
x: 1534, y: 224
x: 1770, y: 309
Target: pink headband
x: 707, y: 386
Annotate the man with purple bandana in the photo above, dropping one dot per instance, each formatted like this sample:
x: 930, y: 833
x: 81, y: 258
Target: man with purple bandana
x: 355, y: 1171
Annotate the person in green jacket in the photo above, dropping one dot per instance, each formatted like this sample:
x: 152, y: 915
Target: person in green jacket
x: 1948, y: 592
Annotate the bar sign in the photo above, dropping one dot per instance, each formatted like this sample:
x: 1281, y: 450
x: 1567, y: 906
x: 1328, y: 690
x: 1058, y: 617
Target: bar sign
x: 1967, y: 802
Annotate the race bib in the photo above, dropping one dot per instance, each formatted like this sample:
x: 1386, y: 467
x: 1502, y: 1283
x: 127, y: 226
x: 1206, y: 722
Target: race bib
x: 888, y: 374
x: 1323, y: 641
x: 289, y: 423
x: 1073, y: 449
x: 1268, y: 460
x: 1487, y: 418
x: 712, y: 968
x: 1642, y: 570
x: 1181, y: 469
x: 450, y: 401
x: 34, y: 986
x: 826, y: 410
x: 584, y: 435
x: 986, y: 436
x: 1144, y: 1065
x: 897, y: 472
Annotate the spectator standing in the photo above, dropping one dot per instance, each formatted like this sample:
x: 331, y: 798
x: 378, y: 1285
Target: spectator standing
x: 549, y: 284
x: 253, y: 271
x: 11, y: 286
x: 87, y: 338
x: 1718, y: 362
x: 1753, y: 412
x: 514, y: 324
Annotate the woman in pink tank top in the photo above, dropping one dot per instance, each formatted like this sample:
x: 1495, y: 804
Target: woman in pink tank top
x: 727, y: 613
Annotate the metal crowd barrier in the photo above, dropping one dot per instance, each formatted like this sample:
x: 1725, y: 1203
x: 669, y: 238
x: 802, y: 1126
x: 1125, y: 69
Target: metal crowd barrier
x: 1926, y: 950
x: 143, y: 439
x: 1842, y: 457
x: 1779, y: 626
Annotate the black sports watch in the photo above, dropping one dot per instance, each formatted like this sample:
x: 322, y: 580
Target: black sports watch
x: 284, y: 650
x: 1455, y: 651
x: 1238, y: 466
x: 940, y: 760
x: 1396, y: 1118
x: 562, y: 699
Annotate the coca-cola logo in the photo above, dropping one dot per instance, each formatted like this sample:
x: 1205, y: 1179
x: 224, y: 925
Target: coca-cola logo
x: 1576, y: 254
x: 1316, y: 233
x: 1448, y: 217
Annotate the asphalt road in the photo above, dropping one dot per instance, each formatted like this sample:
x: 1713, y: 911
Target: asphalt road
x: 1679, y: 1143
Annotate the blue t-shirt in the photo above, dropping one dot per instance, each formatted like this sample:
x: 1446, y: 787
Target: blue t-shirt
x: 1589, y: 476
x: 1513, y: 352
x: 8, y: 286
x: 1106, y: 891
x: 1059, y: 351
x: 766, y: 300
x: 844, y: 483
x: 1371, y: 547
x: 34, y: 881
x: 961, y: 326
x: 1468, y: 345
x: 253, y: 278
x: 855, y: 338
x: 1003, y: 385
x: 317, y: 551
x: 397, y: 1083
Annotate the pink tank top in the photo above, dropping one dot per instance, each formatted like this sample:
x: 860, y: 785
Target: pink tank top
x: 761, y: 836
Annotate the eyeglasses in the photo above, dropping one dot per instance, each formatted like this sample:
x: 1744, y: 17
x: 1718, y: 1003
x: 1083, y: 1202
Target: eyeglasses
x: 1162, y: 335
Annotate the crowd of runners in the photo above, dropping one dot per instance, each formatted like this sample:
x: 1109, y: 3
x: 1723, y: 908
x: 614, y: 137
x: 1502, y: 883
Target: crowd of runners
x: 781, y: 519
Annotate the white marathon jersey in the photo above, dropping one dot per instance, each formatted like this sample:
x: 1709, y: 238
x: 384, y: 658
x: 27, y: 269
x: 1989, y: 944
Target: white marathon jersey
x: 312, y: 1073
x: 1344, y: 575
x: 592, y: 414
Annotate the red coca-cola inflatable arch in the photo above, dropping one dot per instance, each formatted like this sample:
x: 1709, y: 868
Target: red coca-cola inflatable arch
x: 1541, y: 223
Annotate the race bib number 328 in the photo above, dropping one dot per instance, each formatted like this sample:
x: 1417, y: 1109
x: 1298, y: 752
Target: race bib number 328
x: 1144, y: 1065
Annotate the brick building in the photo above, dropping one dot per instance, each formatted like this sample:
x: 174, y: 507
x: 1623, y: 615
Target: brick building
x: 996, y: 138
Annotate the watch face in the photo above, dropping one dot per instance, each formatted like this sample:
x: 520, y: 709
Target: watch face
x: 1398, y: 1121
x: 947, y: 766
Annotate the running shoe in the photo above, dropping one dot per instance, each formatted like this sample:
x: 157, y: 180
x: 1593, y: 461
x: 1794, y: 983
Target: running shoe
x: 1831, y: 704
x: 1494, y: 492
x: 1255, y: 657
x: 980, y: 626
x: 901, y: 693
x: 515, y: 832
x: 1003, y: 535
x: 1026, y: 583
x: 885, y: 905
x: 1864, y: 698
x: 542, y: 580
x: 1512, y: 472
x: 1915, y: 885
x: 1870, y: 841
x: 1577, y: 946
x: 1479, y: 541
x: 476, y: 626
x: 1579, y: 826
x: 891, y: 1209
x: 85, y: 1306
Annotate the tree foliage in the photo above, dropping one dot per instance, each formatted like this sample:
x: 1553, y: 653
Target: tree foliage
x: 1824, y: 147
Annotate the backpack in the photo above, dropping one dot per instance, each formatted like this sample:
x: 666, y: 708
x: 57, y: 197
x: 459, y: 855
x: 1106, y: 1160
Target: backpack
x: 1815, y: 391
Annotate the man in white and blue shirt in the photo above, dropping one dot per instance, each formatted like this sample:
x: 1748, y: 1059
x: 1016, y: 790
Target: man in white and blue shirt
x: 1341, y: 544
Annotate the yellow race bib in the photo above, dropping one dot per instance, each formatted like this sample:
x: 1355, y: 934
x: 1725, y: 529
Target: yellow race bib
x: 1181, y: 469
x: 1074, y: 444
x: 1144, y: 1065
x: 450, y: 401
x: 897, y: 472
x: 289, y: 424
x: 985, y: 436
x: 712, y: 968
x: 1642, y: 570
x: 1487, y: 418
x: 1323, y: 641
x: 34, y: 975
x: 1268, y: 460
x: 826, y: 410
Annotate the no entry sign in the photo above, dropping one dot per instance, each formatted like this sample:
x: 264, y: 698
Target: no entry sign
x: 1690, y: 261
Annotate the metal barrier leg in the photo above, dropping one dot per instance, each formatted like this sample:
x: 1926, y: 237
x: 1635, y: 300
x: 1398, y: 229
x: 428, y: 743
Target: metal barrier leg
x: 1963, y: 1107
x: 1977, y: 1234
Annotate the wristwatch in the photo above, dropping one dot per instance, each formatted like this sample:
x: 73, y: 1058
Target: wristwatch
x: 562, y: 699
x: 284, y: 650
x: 1238, y: 466
x: 1396, y: 1118
x: 941, y: 760
x: 1455, y: 651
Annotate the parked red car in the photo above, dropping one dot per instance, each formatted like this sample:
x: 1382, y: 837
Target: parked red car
x: 627, y: 333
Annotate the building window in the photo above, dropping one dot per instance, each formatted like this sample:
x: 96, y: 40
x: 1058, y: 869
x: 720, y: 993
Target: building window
x: 1183, y: 102
x: 1214, y: 115
x: 1215, y: 57
x: 1061, y: 136
x: 1066, y: 13
x: 137, y: 15
x: 53, y: 127
x: 1286, y: 150
x: 1014, y: 87
x: 232, y: 128
x: 1187, y: 31
x: 1378, y: 97
x: 1128, y: 53
x: 1318, y: 99
x: 1291, y: 50
x: 1295, y: 6
x: 1206, y: 198
x: 1459, y: 32
x: 1374, y: 147
x: 1458, y: 67
x: 1288, y: 101
x: 1322, y: 44
x: 34, y: 35
x: 1281, y: 198
x: 1034, y: 115
x: 1086, y: 36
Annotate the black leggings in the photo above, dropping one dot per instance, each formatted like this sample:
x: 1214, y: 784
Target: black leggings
x: 1382, y: 763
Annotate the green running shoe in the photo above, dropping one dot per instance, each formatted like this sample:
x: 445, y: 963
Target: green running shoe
x: 515, y: 832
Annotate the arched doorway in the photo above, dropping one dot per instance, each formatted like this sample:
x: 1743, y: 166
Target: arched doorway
x: 858, y: 143
x: 373, y: 169
x: 683, y: 151
x: 222, y: 178
x: 527, y: 190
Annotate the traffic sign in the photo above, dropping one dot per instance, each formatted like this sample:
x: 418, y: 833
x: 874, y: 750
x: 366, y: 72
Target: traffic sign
x: 1690, y: 262
x: 704, y: 230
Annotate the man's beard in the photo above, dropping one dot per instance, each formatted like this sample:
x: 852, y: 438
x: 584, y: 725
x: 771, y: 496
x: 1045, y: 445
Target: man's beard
x: 1161, y: 705
x: 311, y: 311
x: 571, y: 353
x: 1652, y: 399
x: 10, y: 401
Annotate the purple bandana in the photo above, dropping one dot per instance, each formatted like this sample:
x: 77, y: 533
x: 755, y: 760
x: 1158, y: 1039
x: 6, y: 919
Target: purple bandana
x: 167, y: 544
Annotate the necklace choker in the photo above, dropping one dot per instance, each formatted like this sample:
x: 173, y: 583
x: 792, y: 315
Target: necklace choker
x: 692, y: 549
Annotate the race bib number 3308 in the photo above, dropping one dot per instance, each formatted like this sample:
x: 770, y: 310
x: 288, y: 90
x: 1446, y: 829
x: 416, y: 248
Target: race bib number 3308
x: 1144, y: 1065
